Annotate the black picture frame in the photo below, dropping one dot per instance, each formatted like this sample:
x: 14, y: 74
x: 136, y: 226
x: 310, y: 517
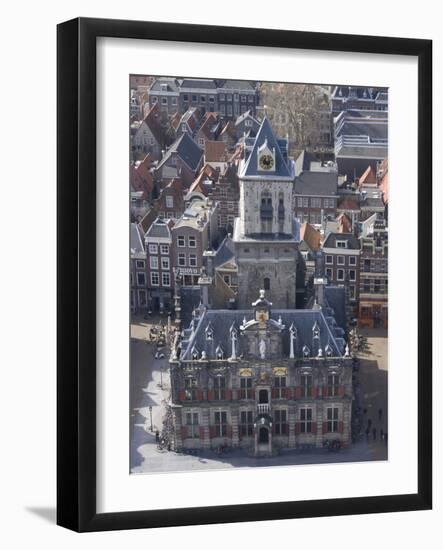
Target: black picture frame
x: 76, y: 263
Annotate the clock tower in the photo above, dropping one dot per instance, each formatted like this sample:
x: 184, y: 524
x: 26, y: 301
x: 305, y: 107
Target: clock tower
x: 265, y: 235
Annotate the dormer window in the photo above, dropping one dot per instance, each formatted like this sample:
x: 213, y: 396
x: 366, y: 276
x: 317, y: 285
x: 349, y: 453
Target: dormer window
x: 316, y: 331
x: 342, y: 244
x: 219, y: 352
x: 209, y: 333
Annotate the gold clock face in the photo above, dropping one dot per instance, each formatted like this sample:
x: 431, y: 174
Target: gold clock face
x: 262, y: 316
x: 266, y: 162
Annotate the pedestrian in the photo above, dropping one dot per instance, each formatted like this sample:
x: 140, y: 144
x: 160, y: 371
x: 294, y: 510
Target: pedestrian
x: 380, y: 413
x: 381, y: 434
x: 157, y: 436
x: 374, y: 433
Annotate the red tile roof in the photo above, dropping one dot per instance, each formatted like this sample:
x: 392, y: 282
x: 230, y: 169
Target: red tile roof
x: 152, y: 121
x: 141, y: 177
x: 368, y: 177
x: 345, y: 224
x: 347, y: 203
x: 311, y: 236
x: 215, y: 151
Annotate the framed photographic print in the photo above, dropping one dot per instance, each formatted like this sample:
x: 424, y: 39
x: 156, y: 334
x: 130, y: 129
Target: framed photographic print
x: 244, y: 274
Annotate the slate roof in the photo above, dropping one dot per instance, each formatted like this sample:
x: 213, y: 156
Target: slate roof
x: 332, y: 238
x: 224, y: 253
x: 336, y: 300
x: 160, y: 228
x: 282, y: 168
x: 186, y: 149
x: 237, y: 85
x: 136, y: 240
x: 198, y: 83
x: 172, y: 85
x: 221, y: 322
x: 316, y: 183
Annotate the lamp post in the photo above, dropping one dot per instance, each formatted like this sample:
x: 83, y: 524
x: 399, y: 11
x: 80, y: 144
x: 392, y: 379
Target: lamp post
x: 150, y: 414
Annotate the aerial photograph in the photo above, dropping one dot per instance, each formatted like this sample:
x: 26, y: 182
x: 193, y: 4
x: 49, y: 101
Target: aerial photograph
x: 258, y: 264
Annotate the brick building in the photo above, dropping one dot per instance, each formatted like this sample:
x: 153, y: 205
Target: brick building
x: 137, y: 271
x: 159, y: 274
x: 341, y: 254
x: 194, y: 233
x: 373, y: 307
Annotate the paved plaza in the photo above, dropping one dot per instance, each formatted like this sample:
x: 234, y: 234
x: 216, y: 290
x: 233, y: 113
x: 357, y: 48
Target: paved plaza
x: 150, y: 387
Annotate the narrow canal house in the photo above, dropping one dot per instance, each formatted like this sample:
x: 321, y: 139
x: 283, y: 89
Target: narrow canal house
x: 262, y: 379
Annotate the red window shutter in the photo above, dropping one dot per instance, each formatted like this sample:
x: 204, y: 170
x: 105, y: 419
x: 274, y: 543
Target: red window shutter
x: 229, y: 431
x: 325, y: 391
x: 286, y: 429
x: 341, y: 391
x: 199, y: 395
x: 201, y: 431
x: 274, y: 393
x: 181, y: 395
x: 325, y: 427
x: 314, y: 427
x: 314, y: 392
x: 184, y: 432
x: 287, y: 393
x: 297, y: 392
x: 228, y: 394
x: 210, y: 395
x: 297, y: 427
x: 211, y: 432
x: 340, y: 427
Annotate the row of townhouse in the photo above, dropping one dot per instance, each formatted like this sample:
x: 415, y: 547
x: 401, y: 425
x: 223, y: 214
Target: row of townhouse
x: 230, y: 98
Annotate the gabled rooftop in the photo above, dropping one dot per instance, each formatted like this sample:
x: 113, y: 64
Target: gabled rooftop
x: 250, y: 166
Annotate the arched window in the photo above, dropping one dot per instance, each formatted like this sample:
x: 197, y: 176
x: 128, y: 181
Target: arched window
x: 266, y: 212
x: 267, y: 283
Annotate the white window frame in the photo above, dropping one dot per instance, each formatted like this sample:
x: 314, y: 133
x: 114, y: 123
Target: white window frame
x: 140, y: 264
x: 153, y: 249
x: 181, y: 256
x: 192, y: 260
x: 181, y: 238
x: 169, y: 201
x: 164, y: 249
x: 153, y: 262
x: 155, y: 274
x: 340, y: 260
x: 140, y: 292
x: 352, y: 260
x: 166, y: 278
x: 354, y: 278
x: 331, y: 262
x: 340, y: 278
x: 192, y: 239
x: 329, y: 272
x: 341, y: 244
x: 165, y: 264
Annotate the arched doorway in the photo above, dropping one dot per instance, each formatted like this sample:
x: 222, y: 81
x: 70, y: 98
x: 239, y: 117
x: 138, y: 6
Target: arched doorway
x: 263, y: 435
x: 263, y: 396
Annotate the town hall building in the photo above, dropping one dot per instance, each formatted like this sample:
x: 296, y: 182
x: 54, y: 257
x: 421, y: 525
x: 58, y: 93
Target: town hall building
x: 262, y: 379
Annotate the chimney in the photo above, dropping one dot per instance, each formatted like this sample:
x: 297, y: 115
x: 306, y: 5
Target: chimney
x: 319, y: 290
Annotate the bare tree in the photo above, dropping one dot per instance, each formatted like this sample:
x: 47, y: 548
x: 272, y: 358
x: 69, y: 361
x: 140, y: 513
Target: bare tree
x: 300, y: 111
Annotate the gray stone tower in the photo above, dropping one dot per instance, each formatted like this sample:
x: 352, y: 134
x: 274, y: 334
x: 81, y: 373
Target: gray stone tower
x: 265, y: 235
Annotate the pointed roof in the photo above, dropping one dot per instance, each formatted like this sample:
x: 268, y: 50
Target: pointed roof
x: 250, y: 168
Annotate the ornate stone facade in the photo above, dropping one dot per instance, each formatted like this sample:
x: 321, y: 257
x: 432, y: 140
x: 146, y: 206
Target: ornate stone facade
x: 261, y: 379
